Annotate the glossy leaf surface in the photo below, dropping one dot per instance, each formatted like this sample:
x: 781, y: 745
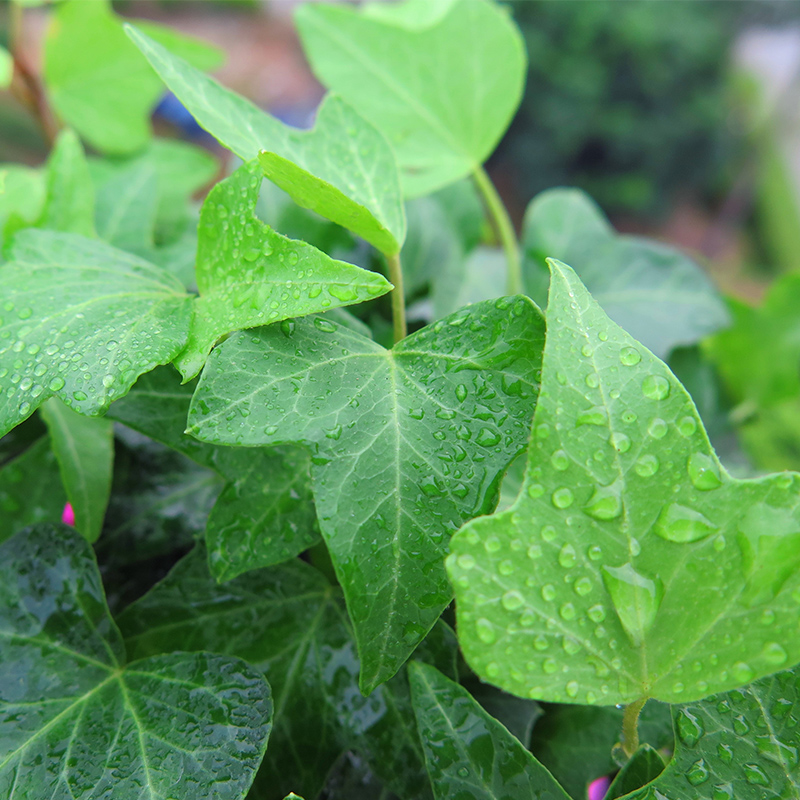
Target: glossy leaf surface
x: 76, y: 722
x: 265, y: 514
x: 742, y: 745
x: 467, y: 752
x: 98, y: 81
x: 249, y: 275
x: 84, y: 449
x: 656, y: 293
x: 441, y: 129
x: 645, y: 765
x: 406, y: 444
x: 344, y: 169
x: 626, y: 529
x: 114, y: 317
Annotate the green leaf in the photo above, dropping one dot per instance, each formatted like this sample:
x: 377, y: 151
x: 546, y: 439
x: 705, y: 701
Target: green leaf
x: 265, y: 513
x: 6, y: 68
x: 30, y: 489
x: 645, y: 765
x: 515, y: 713
x: 343, y: 169
x: 467, y: 752
x: 443, y: 95
x: 656, y: 293
x: 113, y: 317
x: 84, y: 449
x: 249, y: 275
x: 24, y: 194
x: 627, y: 529
x: 77, y: 722
x: 479, y: 276
x: 575, y: 742
x: 406, y: 444
x: 740, y: 745
x: 98, y: 81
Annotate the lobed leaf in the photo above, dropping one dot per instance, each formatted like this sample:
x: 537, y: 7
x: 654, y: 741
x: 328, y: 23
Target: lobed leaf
x: 441, y: 129
x: 113, y: 317
x: 77, y: 722
x: 626, y: 530
x: 343, y: 169
x: 249, y: 275
x: 406, y: 444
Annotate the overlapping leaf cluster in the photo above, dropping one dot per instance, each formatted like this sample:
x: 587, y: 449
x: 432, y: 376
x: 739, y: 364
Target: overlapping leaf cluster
x: 279, y: 538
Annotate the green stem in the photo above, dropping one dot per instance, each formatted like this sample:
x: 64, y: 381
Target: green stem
x: 505, y: 230
x: 630, y: 727
x: 398, y: 297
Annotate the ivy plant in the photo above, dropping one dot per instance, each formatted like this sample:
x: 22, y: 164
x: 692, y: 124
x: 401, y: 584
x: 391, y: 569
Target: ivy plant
x: 316, y: 482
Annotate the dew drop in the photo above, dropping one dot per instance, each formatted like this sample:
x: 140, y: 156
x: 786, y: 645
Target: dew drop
x: 567, y: 611
x: 592, y: 381
x: 596, y: 613
x: 560, y: 460
x: 56, y: 384
x: 703, y: 472
x: 646, y: 466
x: 512, y: 601
x: 461, y: 393
x: 572, y: 689
x: 629, y: 356
x: 678, y: 523
x: 548, y: 592
x: 687, y: 426
x: 606, y: 503
x: 79, y: 396
x: 636, y: 599
x: 335, y: 433
x: 485, y: 631
x: 535, y: 490
x: 487, y: 437
x: 567, y: 556
x: 655, y: 387
x: 535, y: 551
x: 562, y: 498
x: 725, y: 753
x: 550, y: 665
x: 595, y: 552
x: 582, y: 586
x: 466, y: 561
x: 755, y: 776
x: 620, y: 442
x: 657, y: 428
x: 690, y: 728
x: 774, y: 654
x: 740, y: 725
x: 323, y: 325
x: 697, y: 773
x: 592, y: 416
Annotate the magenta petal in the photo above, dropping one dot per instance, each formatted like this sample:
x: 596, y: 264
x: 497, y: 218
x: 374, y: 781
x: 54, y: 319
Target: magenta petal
x: 68, y: 515
x: 598, y: 788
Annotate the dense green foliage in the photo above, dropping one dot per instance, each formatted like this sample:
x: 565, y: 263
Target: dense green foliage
x: 238, y: 497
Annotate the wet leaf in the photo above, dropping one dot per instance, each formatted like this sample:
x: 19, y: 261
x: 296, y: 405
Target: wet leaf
x: 441, y: 129
x: 249, y: 275
x: 343, y: 169
x: 77, y: 721
x: 114, y: 317
x: 626, y: 529
x: 467, y: 752
x: 406, y: 444
x: 645, y: 765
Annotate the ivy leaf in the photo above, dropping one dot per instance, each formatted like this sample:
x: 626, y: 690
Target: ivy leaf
x: 742, y: 745
x: 479, y: 276
x: 74, y: 716
x: 645, y: 765
x: 656, y: 293
x: 30, y: 489
x: 84, y: 449
x: 627, y: 528
x: 265, y: 514
x: 344, y: 169
x: 98, y: 81
x: 441, y: 129
x: 406, y: 444
x: 467, y: 752
x: 114, y: 317
x: 249, y: 275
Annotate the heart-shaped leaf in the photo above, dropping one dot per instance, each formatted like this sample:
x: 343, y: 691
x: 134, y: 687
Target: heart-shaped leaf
x: 84, y: 449
x: 441, y: 129
x: 265, y: 514
x: 742, y: 745
x: 406, y: 444
x: 626, y: 530
x: 655, y: 292
x: 467, y: 752
x: 98, y: 81
x: 113, y: 317
x: 249, y: 275
x: 77, y: 722
x: 344, y: 169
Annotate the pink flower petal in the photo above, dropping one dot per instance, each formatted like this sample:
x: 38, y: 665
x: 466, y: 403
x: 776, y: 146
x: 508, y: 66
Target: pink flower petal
x: 598, y: 788
x: 68, y: 515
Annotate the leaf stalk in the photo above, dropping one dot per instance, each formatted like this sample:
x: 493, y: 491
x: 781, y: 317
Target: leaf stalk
x: 398, y: 297
x: 505, y: 229
x: 630, y: 727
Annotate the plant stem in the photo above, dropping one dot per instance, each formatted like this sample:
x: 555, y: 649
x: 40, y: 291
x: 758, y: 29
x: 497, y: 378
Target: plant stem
x: 398, y: 297
x: 630, y: 727
x: 505, y: 230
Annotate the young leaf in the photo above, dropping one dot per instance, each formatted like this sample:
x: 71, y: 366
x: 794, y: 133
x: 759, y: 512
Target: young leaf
x: 406, y: 444
x: 741, y: 745
x: 23, y: 195
x: 626, y: 529
x: 344, y: 169
x: 467, y: 752
x: 77, y: 722
x: 98, y: 81
x: 479, y: 276
x: 645, y: 765
x: 265, y: 514
x: 84, y: 449
x: 30, y: 489
x: 249, y: 275
x: 656, y: 293
x: 441, y: 129
x: 114, y: 317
